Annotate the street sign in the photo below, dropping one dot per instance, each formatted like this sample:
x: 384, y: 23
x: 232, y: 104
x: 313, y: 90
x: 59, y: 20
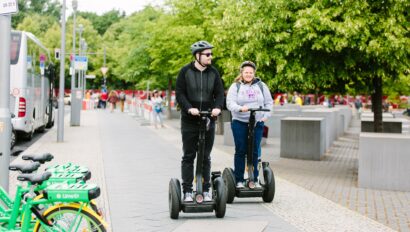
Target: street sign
x: 80, y: 63
x: 90, y: 76
x: 8, y: 7
x: 42, y: 67
x: 104, y: 70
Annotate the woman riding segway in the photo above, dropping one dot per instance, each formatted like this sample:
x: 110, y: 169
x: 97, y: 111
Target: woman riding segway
x: 250, y: 101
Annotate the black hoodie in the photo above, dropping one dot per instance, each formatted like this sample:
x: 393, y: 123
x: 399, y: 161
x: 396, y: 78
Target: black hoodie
x: 196, y: 89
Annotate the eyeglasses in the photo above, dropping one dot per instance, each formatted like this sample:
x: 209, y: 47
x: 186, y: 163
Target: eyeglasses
x: 207, y: 54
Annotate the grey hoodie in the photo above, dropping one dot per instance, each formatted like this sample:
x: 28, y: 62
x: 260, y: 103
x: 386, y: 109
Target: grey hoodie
x: 252, y: 97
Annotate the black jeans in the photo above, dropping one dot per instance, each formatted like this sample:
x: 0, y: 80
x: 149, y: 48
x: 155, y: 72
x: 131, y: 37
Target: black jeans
x: 190, y: 137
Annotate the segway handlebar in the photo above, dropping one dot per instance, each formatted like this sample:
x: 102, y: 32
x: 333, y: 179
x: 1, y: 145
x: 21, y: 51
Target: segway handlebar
x: 205, y: 113
x: 258, y: 109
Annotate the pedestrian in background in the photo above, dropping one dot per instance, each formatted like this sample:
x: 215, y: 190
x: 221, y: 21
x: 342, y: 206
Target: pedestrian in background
x: 104, y: 98
x: 122, y: 97
x: 112, y: 99
x: 157, y: 102
x: 247, y: 92
x: 198, y: 88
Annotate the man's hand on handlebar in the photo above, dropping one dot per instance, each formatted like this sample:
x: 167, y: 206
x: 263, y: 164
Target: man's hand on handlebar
x: 193, y: 111
x: 216, y: 112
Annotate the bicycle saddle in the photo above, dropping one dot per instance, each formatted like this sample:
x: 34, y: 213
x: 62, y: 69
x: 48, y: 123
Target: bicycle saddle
x: 36, y: 178
x: 42, y: 158
x: 25, y: 168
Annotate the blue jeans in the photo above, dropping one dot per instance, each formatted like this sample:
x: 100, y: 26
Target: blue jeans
x: 240, y: 135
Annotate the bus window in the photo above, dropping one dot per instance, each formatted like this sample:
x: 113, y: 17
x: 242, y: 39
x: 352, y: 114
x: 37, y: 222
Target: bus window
x: 15, y: 47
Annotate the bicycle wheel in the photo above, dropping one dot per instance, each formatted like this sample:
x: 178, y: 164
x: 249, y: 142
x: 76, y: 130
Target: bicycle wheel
x: 69, y: 217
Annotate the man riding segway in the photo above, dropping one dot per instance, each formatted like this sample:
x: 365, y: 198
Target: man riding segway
x: 199, y: 90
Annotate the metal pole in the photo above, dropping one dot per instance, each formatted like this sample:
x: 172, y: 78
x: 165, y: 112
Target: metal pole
x: 80, y: 30
x: 5, y: 120
x: 72, y: 114
x: 105, y: 78
x: 76, y: 99
x: 84, y: 86
x: 60, y: 126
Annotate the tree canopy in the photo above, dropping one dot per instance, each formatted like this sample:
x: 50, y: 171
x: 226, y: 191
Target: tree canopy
x: 310, y: 46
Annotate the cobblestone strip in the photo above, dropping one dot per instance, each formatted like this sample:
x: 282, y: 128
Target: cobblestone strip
x: 310, y: 212
x: 336, y: 178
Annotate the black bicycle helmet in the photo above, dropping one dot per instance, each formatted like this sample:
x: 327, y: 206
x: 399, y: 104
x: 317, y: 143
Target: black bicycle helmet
x: 200, y: 46
x: 248, y: 63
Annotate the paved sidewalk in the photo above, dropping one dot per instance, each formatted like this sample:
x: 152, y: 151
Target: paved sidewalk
x: 82, y: 145
x: 101, y: 133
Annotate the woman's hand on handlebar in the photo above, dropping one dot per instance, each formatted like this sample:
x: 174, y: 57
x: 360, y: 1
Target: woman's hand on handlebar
x: 244, y: 109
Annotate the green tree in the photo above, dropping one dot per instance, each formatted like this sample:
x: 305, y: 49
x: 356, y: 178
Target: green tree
x: 349, y: 43
x: 103, y: 22
x: 49, y: 8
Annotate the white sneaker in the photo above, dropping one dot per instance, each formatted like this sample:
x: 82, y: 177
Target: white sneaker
x: 257, y: 185
x: 207, y: 196
x: 240, y: 185
x: 188, y: 197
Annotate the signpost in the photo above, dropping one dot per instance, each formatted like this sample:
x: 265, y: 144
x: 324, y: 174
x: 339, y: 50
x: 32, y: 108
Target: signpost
x: 80, y: 63
x: 104, y: 70
x: 8, y: 7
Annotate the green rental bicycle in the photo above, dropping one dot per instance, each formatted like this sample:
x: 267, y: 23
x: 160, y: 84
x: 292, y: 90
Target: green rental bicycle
x: 61, y: 173
x: 67, y: 207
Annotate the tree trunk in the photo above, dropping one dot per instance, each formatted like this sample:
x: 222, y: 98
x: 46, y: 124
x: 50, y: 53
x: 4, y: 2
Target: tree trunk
x: 169, y: 115
x: 377, y: 98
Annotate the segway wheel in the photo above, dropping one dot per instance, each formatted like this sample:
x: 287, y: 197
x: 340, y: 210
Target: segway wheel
x: 230, y: 183
x: 220, y: 198
x: 269, y: 191
x: 174, y: 198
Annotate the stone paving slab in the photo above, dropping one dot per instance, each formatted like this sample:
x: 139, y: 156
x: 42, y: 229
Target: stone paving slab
x: 81, y: 145
x: 222, y: 226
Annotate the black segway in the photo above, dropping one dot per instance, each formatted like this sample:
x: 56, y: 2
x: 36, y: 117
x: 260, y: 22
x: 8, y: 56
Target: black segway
x: 267, y: 190
x: 218, y: 203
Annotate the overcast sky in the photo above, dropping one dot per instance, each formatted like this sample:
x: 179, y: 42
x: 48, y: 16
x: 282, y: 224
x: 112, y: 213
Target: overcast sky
x: 102, y: 6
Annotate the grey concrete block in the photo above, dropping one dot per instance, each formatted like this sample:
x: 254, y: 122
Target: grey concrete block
x: 330, y: 115
x: 287, y: 112
x: 228, y: 136
x: 390, y: 125
x: 347, y: 113
x: 384, y: 161
x: 371, y: 115
x: 224, y: 117
x: 302, y: 138
x: 340, y: 125
x: 274, y: 125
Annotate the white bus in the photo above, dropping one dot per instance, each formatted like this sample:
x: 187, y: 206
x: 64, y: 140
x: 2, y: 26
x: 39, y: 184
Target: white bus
x: 31, y: 88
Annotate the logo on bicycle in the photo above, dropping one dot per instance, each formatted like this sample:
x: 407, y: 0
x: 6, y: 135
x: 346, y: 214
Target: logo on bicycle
x: 67, y: 196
